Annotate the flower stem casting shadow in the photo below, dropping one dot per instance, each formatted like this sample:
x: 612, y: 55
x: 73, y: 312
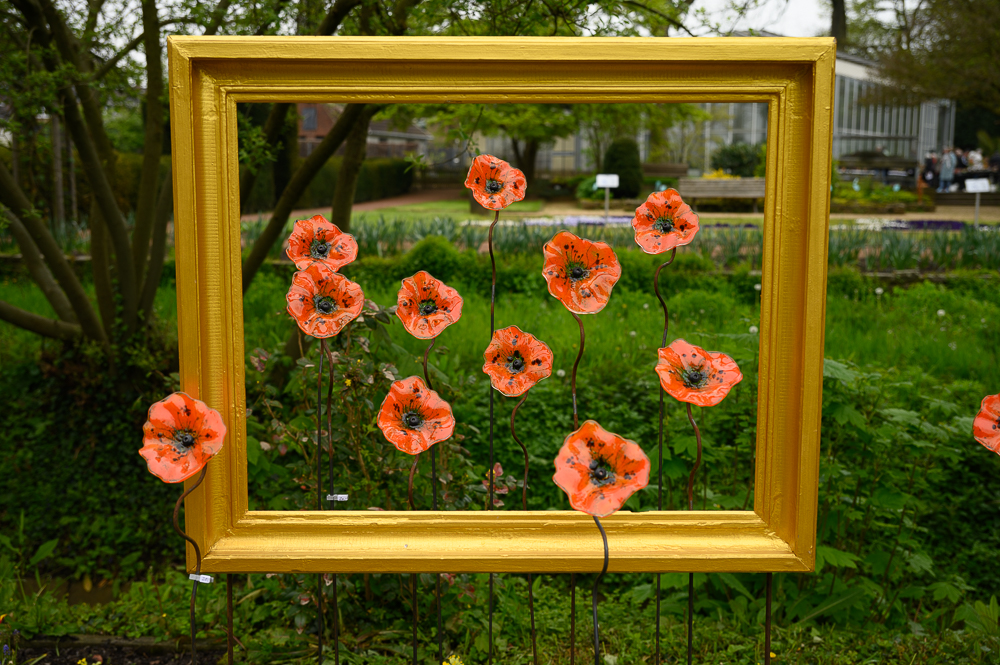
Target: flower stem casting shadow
x: 659, y: 450
x: 197, y: 551
x: 593, y: 595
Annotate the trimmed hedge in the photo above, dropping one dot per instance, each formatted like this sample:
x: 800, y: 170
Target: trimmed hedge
x: 378, y: 179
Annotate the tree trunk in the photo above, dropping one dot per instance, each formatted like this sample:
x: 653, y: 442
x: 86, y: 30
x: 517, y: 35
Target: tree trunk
x: 58, y: 193
x: 347, y: 177
x: 73, y: 212
x: 286, y: 153
x: 838, y: 27
x: 526, y: 160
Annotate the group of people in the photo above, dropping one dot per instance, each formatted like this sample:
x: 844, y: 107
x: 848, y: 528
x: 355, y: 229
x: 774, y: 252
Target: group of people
x: 949, y: 171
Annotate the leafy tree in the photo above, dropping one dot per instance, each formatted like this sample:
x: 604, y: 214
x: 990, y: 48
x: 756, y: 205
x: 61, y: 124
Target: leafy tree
x: 622, y: 157
x: 740, y: 159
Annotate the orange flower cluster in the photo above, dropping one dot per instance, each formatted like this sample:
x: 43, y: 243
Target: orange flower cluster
x: 180, y: 435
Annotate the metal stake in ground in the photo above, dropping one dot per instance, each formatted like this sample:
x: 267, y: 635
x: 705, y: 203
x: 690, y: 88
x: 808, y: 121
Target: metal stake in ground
x: 434, y: 504
x: 593, y: 594
x: 690, y: 493
x: 319, y: 494
x: 197, y: 551
x: 493, y: 327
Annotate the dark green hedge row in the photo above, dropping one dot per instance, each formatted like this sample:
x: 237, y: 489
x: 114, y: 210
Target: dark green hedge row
x: 378, y: 179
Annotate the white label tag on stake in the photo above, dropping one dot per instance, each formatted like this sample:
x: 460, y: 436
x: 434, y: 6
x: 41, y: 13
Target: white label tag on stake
x: 336, y: 497
x: 204, y: 579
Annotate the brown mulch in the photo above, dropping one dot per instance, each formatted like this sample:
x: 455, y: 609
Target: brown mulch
x: 69, y: 653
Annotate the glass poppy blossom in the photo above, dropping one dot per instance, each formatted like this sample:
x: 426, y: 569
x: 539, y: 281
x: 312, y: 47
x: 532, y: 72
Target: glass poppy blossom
x: 180, y: 435
x: 600, y: 470
x: 495, y: 184
x: 579, y: 272
x: 690, y: 374
x: 413, y: 418
x: 427, y: 306
x: 986, y: 426
x: 664, y: 222
x: 322, y: 301
x: 515, y: 361
x: 316, y: 240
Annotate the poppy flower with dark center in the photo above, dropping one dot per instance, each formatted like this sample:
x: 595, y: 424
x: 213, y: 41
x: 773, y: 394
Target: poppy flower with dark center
x: 322, y: 301
x: 690, y: 374
x: 663, y: 222
x: 495, y: 184
x: 579, y: 272
x: 414, y: 418
x: 316, y: 240
x: 986, y: 426
x: 600, y: 470
x: 515, y: 361
x: 180, y: 435
x: 426, y: 306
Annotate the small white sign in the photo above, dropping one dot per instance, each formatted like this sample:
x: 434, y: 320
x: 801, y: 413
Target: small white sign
x: 972, y: 185
x: 336, y: 497
x: 204, y: 579
x: 607, y: 180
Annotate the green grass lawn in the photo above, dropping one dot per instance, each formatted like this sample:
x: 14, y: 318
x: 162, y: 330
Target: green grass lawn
x: 456, y: 208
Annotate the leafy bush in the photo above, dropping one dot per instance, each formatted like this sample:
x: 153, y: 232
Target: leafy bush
x: 622, y: 157
x: 741, y: 159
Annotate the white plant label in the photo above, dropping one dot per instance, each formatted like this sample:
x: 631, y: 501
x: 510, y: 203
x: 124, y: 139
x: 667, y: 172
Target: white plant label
x: 204, y: 579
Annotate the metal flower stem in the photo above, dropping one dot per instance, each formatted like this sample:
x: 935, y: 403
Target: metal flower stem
x: 767, y: 620
x: 593, y: 594
x: 434, y: 500
x: 489, y: 503
x: 229, y: 618
x: 576, y: 425
x: 197, y: 551
x: 319, y: 494
x: 413, y: 577
x: 329, y: 429
x: 659, y: 452
x: 690, y: 493
x: 524, y: 506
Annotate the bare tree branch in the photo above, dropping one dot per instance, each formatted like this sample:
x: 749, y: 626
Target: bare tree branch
x: 12, y: 197
x: 39, y: 272
x: 40, y: 325
x: 669, y: 19
x: 157, y: 252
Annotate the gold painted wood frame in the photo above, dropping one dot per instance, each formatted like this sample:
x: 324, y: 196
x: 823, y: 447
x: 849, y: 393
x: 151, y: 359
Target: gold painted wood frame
x: 210, y: 75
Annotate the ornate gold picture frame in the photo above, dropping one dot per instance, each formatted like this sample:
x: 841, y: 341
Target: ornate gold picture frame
x: 210, y: 75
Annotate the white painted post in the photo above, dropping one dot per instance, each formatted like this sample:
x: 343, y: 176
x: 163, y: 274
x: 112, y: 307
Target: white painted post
x: 607, y: 181
x: 977, y: 185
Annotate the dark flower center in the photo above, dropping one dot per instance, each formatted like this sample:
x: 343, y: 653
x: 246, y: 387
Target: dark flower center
x: 325, y: 304
x: 427, y: 307
x: 664, y: 225
x: 515, y: 362
x: 493, y: 186
x: 184, y: 439
x: 576, y: 272
x: 320, y: 249
x: 412, y: 420
x: 599, y: 473
x: 695, y: 378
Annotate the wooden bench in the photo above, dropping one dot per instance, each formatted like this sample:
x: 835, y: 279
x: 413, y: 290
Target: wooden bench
x: 692, y: 189
x: 665, y: 170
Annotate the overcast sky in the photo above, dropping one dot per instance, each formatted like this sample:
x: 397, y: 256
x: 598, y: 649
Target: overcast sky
x: 791, y: 18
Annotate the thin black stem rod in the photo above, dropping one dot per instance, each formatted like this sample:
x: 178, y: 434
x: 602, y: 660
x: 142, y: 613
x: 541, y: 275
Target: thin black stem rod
x: 690, y: 617
x: 593, y: 594
x: 767, y: 620
x: 413, y: 602
x: 434, y: 504
x: 576, y: 364
x: 659, y: 450
x: 572, y: 619
x: 197, y: 550
x: 329, y: 429
x: 229, y: 618
x: 524, y: 506
x: 493, y: 328
x: 697, y: 463
x: 319, y: 494
x: 409, y: 487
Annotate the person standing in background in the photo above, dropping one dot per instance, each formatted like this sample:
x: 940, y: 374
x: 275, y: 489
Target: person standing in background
x: 947, y: 174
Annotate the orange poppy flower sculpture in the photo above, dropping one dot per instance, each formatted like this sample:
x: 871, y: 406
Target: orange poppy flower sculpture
x: 316, y: 240
x: 515, y: 361
x: 664, y: 222
x: 427, y: 306
x: 690, y: 374
x: 180, y: 435
x: 600, y: 470
x: 495, y: 184
x: 322, y: 301
x: 580, y: 273
x: 986, y: 426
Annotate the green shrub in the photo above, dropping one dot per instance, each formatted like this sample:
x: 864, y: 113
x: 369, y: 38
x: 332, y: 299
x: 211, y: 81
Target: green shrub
x: 740, y: 159
x: 586, y: 189
x: 622, y: 157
